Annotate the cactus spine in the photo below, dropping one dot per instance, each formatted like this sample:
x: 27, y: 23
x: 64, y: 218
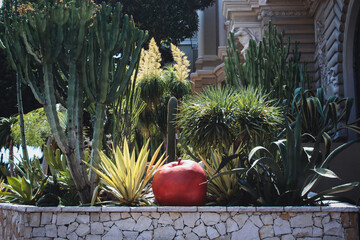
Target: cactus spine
x: 171, y: 129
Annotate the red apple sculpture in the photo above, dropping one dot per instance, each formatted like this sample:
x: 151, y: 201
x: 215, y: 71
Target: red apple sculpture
x: 181, y: 183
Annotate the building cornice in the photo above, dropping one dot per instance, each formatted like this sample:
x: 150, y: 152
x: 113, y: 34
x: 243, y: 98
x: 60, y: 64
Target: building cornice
x: 231, y: 6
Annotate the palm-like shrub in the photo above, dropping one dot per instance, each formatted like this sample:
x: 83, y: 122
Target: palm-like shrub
x: 222, y: 116
x: 126, y: 175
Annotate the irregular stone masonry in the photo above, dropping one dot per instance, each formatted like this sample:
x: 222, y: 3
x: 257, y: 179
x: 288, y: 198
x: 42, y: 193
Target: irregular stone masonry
x: 95, y: 223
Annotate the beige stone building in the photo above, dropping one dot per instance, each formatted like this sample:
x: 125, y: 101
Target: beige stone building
x: 328, y: 32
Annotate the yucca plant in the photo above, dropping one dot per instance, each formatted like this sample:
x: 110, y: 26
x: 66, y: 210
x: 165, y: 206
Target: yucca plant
x: 150, y: 83
x: 157, y: 86
x: 182, y: 63
x: 127, y: 175
x: 173, y: 85
x: 220, y: 117
x: 150, y: 61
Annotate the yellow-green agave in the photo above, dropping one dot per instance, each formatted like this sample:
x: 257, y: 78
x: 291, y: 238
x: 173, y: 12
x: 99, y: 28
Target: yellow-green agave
x: 126, y: 176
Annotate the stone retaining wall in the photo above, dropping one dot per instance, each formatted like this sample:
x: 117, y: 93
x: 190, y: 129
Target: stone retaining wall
x: 95, y: 223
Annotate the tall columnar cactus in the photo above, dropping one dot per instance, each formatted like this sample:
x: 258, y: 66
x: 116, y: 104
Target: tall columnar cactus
x: 49, y: 39
x: 113, y: 34
x: 64, y: 50
x: 267, y: 65
x: 171, y: 129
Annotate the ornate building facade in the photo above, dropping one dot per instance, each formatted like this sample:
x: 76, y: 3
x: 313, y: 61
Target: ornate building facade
x: 328, y: 32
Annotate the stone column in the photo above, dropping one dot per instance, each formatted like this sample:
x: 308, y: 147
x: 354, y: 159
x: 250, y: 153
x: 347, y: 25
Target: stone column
x: 222, y: 32
x: 200, y: 35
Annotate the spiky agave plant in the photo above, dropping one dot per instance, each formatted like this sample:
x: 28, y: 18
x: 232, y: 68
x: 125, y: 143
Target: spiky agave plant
x: 225, y: 189
x: 287, y: 172
x: 127, y: 175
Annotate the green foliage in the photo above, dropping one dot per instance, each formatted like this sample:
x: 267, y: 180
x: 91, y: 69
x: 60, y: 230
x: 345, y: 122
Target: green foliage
x: 4, y: 169
x: 267, y: 65
x: 20, y: 190
x: 219, y: 117
x: 37, y: 129
x: 61, y: 186
x: 127, y: 175
x: 321, y: 115
x: 287, y: 172
x: 28, y: 186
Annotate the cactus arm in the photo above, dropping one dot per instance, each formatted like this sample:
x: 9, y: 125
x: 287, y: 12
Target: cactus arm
x: 89, y: 68
x: 50, y: 109
x: 31, y: 80
x: 78, y: 132
x: 85, y: 77
x: 79, y: 146
x: 124, y: 59
x: 134, y: 59
x: 84, y: 16
x: 71, y: 100
x: 61, y: 78
x: 115, y: 28
x: 28, y: 48
x: 171, y: 130
x: 21, y: 117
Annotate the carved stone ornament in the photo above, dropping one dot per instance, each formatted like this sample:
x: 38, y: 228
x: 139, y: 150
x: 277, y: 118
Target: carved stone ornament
x: 243, y: 36
x: 284, y: 13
